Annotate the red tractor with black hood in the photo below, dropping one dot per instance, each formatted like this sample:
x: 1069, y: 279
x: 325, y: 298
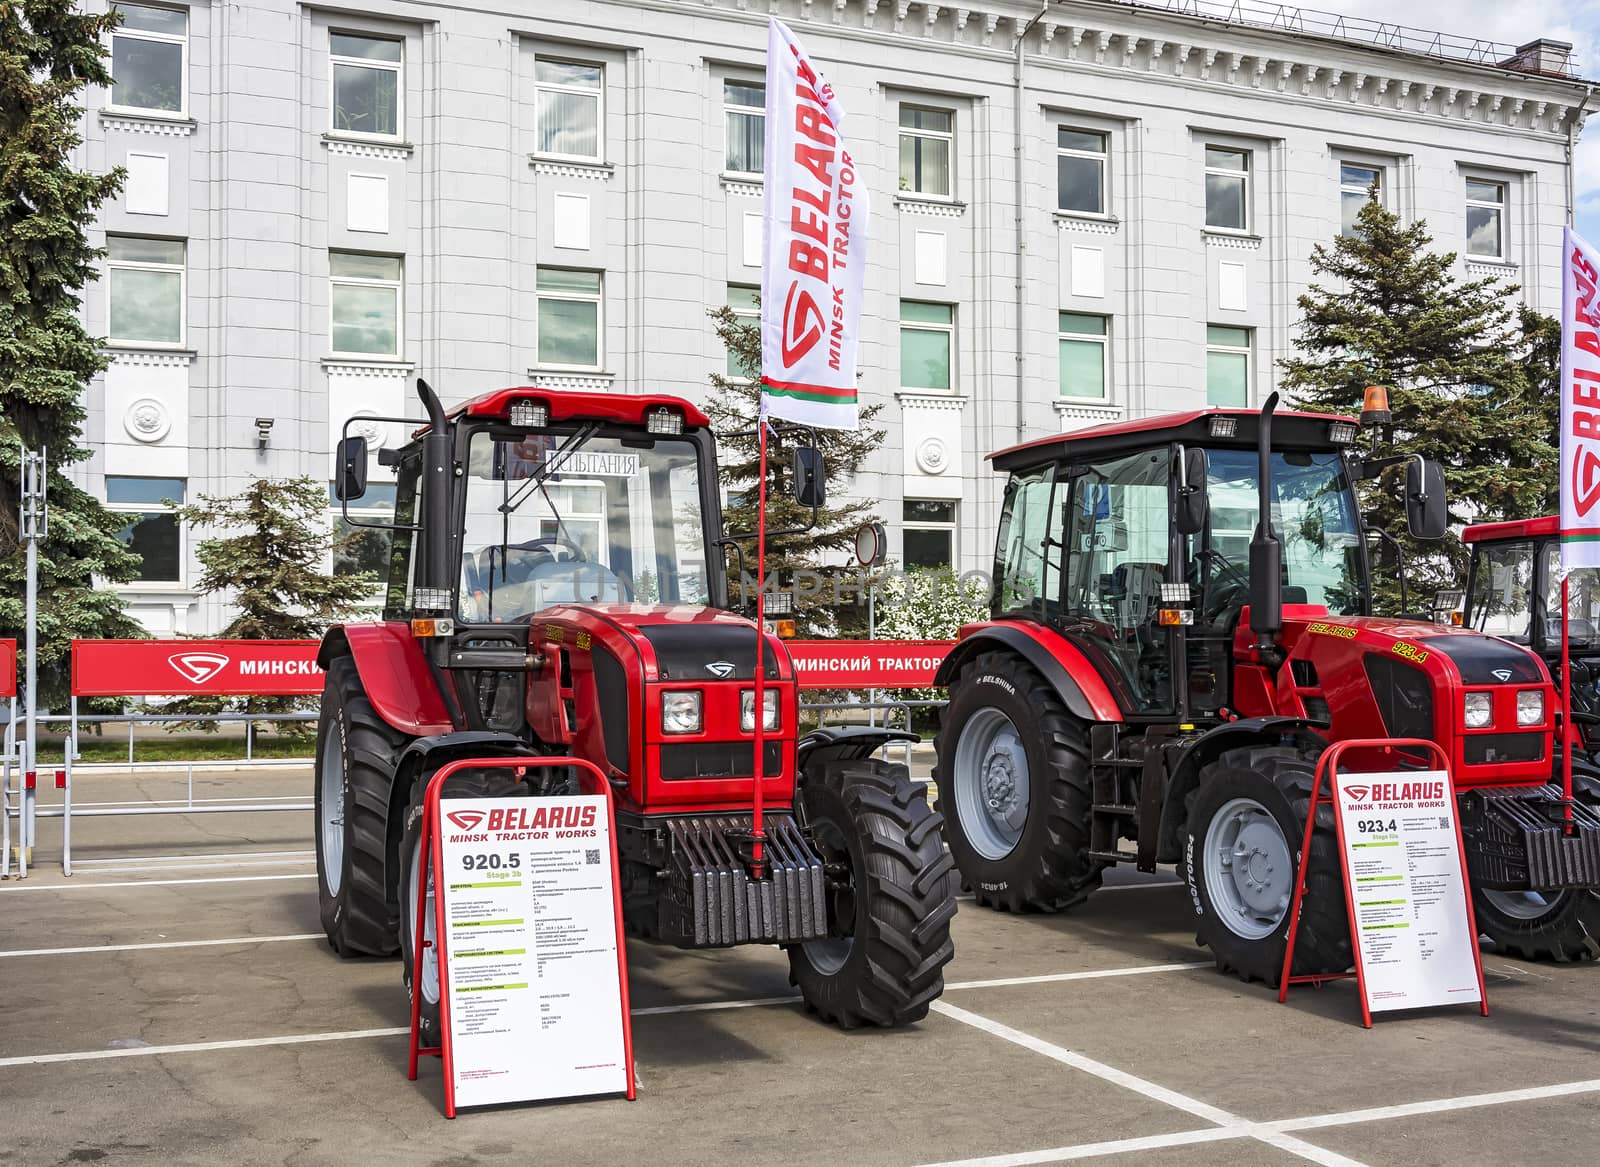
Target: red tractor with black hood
x: 557, y: 588
x: 1181, y: 625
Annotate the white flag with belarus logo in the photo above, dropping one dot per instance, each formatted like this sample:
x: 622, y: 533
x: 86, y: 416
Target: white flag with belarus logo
x: 814, y: 219
x: 1580, y: 404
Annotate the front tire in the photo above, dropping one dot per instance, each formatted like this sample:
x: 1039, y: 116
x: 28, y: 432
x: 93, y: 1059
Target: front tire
x: 1012, y: 769
x: 889, y: 906
x: 357, y: 754
x: 1246, y: 823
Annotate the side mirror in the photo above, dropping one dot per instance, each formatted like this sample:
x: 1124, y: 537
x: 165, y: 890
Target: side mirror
x: 810, y: 477
x: 350, y: 468
x: 1191, y: 504
x: 1426, y: 513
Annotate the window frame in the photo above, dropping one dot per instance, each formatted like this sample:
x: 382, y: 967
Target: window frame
x: 1502, y: 209
x: 744, y: 315
x: 598, y: 158
x: 952, y: 527
x: 1347, y: 188
x: 1103, y: 158
x: 948, y: 136
x: 398, y: 68
x: 1247, y: 350
x: 598, y: 298
x: 1102, y: 338
x: 133, y: 509
x: 399, y: 286
x: 146, y: 265
x: 948, y: 330
x: 730, y: 111
x: 182, y: 112
x: 1244, y: 175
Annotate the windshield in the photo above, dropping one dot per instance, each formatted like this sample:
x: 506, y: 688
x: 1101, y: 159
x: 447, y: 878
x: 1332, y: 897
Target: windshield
x: 1502, y: 597
x: 1314, y: 514
x: 1583, y: 602
x: 577, y: 516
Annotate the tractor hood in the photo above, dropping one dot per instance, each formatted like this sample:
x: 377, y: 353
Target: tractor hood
x: 1477, y: 659
x: 674, y: 642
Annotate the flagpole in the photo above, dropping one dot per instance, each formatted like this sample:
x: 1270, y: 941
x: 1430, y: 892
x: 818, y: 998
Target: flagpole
x: 758, y: 864
x: 1566, y: 702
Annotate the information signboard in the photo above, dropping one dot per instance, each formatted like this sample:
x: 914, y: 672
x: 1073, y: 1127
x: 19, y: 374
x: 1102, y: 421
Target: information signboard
x: 535, y: 997
x: 1406, y: 883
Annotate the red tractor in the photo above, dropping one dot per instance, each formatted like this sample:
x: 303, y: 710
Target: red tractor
x: 1179, y: 628
x: 557, y: 588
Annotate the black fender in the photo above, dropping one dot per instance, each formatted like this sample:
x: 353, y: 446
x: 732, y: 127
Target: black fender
x: 1019, y: 642
x: 1193, y: 754
x: 846, y: 743
x: 425, y: 753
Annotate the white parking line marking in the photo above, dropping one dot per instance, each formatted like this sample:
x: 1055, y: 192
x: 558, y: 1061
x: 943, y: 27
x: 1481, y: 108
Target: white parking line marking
x: 715, y: 1006
x: 86, y: 948
x: 1093, y: 975
x: 1215, y: 1134
x: 1148, y: 1089
x: 194, y: 1047
x: 123, y: 884
x: 1436, y: 1106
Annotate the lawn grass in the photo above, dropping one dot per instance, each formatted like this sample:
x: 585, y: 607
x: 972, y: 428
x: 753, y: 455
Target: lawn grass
x: 179, y: 748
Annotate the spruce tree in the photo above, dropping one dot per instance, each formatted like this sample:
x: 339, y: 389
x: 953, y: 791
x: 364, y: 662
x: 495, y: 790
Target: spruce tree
x: 1388, y: 310
x: 266, y: 551
x: 732, y: 409
x: 49, y: 51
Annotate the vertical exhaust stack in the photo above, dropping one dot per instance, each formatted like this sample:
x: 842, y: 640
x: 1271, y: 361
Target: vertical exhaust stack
x: 1266, y: 553
x: 436, y: 489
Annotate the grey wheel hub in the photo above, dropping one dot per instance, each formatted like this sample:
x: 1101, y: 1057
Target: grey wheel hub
x: 1248, y: 869
x: 330, y: 779
x: 1524, y: 905
x: 992, y: 785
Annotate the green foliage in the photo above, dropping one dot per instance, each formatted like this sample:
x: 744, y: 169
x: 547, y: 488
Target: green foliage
x: 273, y: 567
x: 49, y: 51
x: 928, y: 604
x: 733, y: 411
x: 1468, y: 384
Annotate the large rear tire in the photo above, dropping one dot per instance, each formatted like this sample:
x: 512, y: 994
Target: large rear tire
x: 1012, y: 769
x: 357, y: 843
x: 1246, y: 823
x: 1561, y: 926
x: 889, y: 901
x: 486, y: 783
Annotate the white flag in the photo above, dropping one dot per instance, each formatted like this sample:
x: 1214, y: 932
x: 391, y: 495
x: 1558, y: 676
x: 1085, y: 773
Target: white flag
x: 814, y: 219
x: 1580, y: 404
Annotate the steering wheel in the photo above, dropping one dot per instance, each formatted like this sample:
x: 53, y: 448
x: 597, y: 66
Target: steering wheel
x: 558, y: 543
x: 1225, y: 585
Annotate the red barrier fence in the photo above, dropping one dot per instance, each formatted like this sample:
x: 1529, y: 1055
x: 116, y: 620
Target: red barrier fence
x: 269, y: 668
x: 182, y: 668
x: 8, y: 668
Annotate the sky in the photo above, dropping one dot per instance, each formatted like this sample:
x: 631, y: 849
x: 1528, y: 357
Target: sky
x: 1515, y: 22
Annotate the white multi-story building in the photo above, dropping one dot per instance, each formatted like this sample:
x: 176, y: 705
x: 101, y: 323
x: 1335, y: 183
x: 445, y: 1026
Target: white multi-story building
x: 1113, y: 219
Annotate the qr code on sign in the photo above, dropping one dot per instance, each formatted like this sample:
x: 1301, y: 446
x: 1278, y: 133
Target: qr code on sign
x: 591, y: 857
x: 1444, y: 822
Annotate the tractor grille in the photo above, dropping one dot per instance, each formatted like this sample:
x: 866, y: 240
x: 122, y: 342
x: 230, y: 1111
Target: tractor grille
x: 1405, y: 699
x: 1481, y: 748
x: 711, y: 901
x: 683, y: 760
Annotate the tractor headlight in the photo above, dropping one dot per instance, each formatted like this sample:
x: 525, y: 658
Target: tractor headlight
x: 682, y: 711
x: 1480, y: 710
x: 1530, y: 707
x: 747, y: 710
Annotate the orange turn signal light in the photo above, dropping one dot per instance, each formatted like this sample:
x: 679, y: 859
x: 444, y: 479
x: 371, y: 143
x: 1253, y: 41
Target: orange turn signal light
x: 432, y: 626
x: 786, y: 629
x: 1456, y: 619
x: 1170, y: 617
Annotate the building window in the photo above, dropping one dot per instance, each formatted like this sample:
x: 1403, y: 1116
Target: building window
x: 145, y: 278
x: 745, y: 106
x: 1081, y: 171
x: 1357, y: 184
x: 1227, y: 188
x: 153, y: 531
x: 927, y: 337
x: 1083, y: 355
x: 567, y: 102
x: 361, y: 550
x: 742, y: 299
x: 148, y: 53
x: 569, y: 317
x: 366, y: 85
x: 1486, y: 210
x: 1227, y: 366
x: 927, y: 142
x: 364, y: 303
x: 928, y: 533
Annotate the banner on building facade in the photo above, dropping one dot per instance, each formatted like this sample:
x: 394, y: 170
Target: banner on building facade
x: 1580, y: 404
x: 814, y: 232
x: 181, y: 668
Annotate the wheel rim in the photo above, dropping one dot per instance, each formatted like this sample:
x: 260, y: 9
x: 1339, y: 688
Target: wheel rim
x: 991, y: 783
x: 1523, y: 905
x: 828, y: 954
x: 430, y: 953
x: 1248, y: 868
x: 330, y: 779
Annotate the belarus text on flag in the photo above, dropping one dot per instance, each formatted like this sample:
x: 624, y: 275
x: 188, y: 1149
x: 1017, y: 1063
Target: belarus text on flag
x: 1580, y: 404
x: 814, y: 233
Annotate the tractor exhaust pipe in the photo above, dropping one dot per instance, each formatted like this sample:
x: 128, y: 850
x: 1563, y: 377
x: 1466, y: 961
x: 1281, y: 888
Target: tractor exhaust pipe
x: 1266, y: 553
x: 436, y: 488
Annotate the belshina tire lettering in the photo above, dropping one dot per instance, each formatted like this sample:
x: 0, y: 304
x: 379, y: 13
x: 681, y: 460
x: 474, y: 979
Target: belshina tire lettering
x: 991, y: 679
